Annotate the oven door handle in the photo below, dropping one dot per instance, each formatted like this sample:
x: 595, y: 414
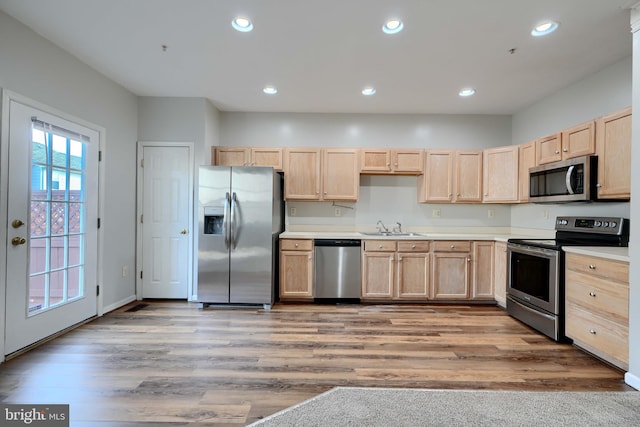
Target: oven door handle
x: 527, y: 250
x: 567, y: 179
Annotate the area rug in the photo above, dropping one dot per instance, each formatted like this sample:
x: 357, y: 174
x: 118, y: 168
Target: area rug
x: 354, y: 406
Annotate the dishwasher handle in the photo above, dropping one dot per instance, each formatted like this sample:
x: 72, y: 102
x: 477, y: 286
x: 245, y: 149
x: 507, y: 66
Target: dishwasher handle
x: 337, y: 242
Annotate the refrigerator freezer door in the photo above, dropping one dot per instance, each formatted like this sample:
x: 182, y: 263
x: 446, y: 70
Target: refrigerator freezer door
x: 251, y: 248
x: 213, y: 253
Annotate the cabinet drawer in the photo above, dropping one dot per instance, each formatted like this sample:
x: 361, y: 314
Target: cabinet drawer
x: 296, y: 245
x: 413, y: 246
x: 380, y: 245
x: 609, y: 269
x: 452, y: 246
x: 605, y: 338
x: 607, y: 298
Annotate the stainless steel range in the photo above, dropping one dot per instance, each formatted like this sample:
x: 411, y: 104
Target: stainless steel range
x: 535, y: 291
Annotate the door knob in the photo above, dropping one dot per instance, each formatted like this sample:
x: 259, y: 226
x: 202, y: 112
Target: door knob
x: 18, y: 241
x: 16, y: 223
x: 184, y: 232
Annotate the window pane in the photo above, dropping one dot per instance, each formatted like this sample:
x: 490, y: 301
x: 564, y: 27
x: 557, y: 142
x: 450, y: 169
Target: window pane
x: 57, y: 253
x: 77, y: 155
x: 74, y: 278
x: 58, y: 218
x: 58, y: 184
x: 37, y: 285
x: 39, y: 218
x: 75, y: 250
x: 76, y: 213
x: 59, y: 151
x: 56, y: 287
x: 37, y: 256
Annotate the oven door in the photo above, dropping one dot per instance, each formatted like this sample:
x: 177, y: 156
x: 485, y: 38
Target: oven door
x: 534, y: 276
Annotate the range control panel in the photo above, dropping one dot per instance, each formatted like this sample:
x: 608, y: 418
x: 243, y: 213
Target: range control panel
x: 591, y: 224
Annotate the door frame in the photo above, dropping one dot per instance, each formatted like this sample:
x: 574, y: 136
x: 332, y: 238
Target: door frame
x: 7, y: 97
x: 139, y: 207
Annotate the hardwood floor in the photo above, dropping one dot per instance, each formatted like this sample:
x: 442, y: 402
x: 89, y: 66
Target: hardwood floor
x: 172, y: 363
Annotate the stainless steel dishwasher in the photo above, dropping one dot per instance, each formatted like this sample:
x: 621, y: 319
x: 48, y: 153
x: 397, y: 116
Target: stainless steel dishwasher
x: 337, y: 269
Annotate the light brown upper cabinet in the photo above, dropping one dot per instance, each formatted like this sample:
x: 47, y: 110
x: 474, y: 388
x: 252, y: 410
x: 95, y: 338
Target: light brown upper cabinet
x: 527, y: 159
x: 374, y: 161
x: 247, y: 156
x: 500, y: 171
x: 579, y: 140
x: 321, y: 174
x: 613, y: 146
x: 452, y: 177
x: 549, y: 148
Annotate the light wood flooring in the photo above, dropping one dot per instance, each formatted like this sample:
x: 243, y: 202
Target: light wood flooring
x: 171, y: 363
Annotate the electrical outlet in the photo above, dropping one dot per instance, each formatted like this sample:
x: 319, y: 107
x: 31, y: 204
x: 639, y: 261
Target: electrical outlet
x: 337, y: 211
x: 125, y: 270
x: 491, y: 213
x: 292, y: 211
x: 545, y: 214
x: 435, y: 213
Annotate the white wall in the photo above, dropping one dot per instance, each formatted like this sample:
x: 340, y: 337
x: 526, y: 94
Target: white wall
x: 390, y: 198
x: 601, y: 93
x: 34, y: 67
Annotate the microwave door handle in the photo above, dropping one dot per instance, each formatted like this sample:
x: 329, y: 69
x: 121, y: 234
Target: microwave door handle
x: 567, y: 179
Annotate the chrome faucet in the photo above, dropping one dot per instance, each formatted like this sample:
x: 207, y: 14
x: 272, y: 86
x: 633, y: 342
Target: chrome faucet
x: 381, y: 228
x: 397, y: 228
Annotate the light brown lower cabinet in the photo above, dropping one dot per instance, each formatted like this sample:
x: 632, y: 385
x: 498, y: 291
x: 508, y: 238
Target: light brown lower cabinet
x: 450, y: 270
x: 597, y: 306
x: 395, y: 270
x: 482, y: 265
x: 296, y: 269
x: 500, y: 264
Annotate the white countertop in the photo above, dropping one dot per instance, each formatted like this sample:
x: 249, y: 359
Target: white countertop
x: 613, y: 253
x: 418, y: 236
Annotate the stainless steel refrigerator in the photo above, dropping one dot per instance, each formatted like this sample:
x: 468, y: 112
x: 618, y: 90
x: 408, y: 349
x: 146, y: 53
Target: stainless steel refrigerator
x: 240, y: 216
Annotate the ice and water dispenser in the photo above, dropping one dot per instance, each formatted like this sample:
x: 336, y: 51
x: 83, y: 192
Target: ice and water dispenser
x: 213, y: 220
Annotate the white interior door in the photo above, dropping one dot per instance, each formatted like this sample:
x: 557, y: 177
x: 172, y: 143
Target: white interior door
x: 166, y: 221
x: 52, y: 231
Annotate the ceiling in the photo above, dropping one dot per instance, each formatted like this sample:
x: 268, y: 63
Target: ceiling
x: 320, y: 54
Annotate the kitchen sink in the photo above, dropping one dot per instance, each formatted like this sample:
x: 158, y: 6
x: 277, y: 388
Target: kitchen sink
x: 389, y: 234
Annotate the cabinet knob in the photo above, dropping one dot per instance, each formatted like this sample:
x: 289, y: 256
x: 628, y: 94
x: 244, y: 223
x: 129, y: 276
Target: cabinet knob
x: 450, y: 194
x: 309, y: 257
x: 592, y: 331
x: 296, y: 245
x: 557, y: 152
x: 564, y: 150
x: 395, y: 164
x: 486, y: 194
x: 458, y: 194
x: 399, y: 259
x: 391, y: 259
x: 592, y: 294
x: 379, y: 246
x: 413, y: 246
x: 598, y: 185
x: 453, y: 246
x: 592, y: 267
x: 468, y: 259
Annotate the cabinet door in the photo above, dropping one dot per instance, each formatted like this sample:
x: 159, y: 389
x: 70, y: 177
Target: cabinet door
x: 296, y: 274
x: 613, y: 140
x: 468, y: 182
x: 548, y: 148
x: 413, y: 276
x: 231, y: 156
x: 501, y: 174
x: 500, y: 273
x: 579, y: 140
x: 261, y: 156
x: 340, y: 175
x: 378, y: 274
x: 482, y: 262
x: 450, y: 275
x: 527, y: 159
x: 375, y: 160
x: 437, y: 180
x: 302, y: 174
x: 408, y: 161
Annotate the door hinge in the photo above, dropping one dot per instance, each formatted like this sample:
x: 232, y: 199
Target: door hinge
x: 140, y: 274
x: 141, y: 219
x: 141, y: 163
x: 100, y: 156
x: 98, y: 290
x: 98, y: 222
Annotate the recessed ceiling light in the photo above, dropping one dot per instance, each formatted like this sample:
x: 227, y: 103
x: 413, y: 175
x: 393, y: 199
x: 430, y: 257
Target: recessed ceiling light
x: 392, y: 26
x: 242, y: 24
x: 544, y: 28
x: 368, y: 91
x: 270, y: 90
x: 467, y: 91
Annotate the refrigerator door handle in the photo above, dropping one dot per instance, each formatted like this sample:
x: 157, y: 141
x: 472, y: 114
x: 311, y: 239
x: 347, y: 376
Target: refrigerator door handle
x: 234, y: 225
x: 225, y: 221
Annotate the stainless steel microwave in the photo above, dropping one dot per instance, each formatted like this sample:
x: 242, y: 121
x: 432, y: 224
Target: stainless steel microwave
x: 572, y: 180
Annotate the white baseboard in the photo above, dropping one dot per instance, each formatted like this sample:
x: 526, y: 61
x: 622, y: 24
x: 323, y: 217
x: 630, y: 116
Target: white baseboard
x: 119, y: 304
x: 632, y: 380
